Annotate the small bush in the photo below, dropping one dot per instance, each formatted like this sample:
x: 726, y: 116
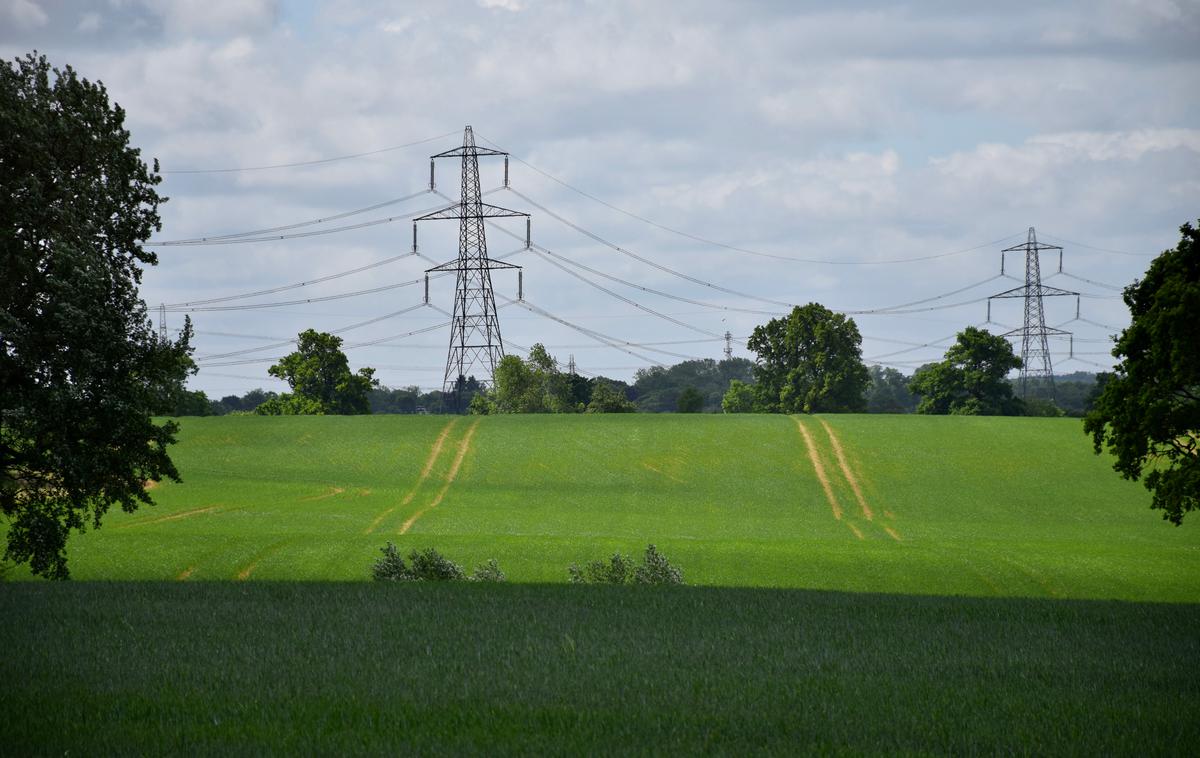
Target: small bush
x: 656, y: 569
x: 391, y: 566
x: 432, y: 566
x: 488, y: 572
x: 429, y: 565
x: 619, y: 569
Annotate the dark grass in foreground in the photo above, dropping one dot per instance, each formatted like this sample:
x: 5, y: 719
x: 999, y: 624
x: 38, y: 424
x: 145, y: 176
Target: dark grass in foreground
x: 156, y: 668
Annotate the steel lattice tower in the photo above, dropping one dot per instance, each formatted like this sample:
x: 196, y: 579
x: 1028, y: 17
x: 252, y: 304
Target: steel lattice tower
x: 162, y: 323
x: 475, y: 329
x: 1035, y: 345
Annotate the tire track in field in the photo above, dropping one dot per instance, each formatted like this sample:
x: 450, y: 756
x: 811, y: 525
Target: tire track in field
x: 248, y: 569
x: 464, y: 446
x: 434, y: 453
x: 847, y: 472
x: 172, y: 517
x: 819, y: 468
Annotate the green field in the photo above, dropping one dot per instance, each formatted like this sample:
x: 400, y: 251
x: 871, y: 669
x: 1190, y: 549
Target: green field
x: 867, y: 584
x: 945, y: 505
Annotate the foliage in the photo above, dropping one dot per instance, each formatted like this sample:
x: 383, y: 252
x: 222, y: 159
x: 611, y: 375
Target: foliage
x: 428, y: 565
x: 1036, y: 406
x: 656, y: 569
x: 971, y: 380
x: 888, y: 392
x: 1070, y: 393
x: 809, y: 361
x: 1148, y: 414
x: 319, y: 374
x: 620, y: 569
x: 391, y: 566
x: 246, y: 403
x: 606, y: 399
x: 411, y: 400
x: 739, y: 398
x: 658, y: 388
x: 533, y: 385
x: 488, y: 572
x: 691, y: 401
x: 81, y: 367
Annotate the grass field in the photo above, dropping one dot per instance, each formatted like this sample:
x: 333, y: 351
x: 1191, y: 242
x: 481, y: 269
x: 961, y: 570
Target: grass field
x: 867, y: 584
x: 351, y: 668
x: 904, y: 504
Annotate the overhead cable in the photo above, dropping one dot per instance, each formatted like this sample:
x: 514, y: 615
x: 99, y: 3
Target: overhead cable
x: 309, y: 163
x: 748, y: 251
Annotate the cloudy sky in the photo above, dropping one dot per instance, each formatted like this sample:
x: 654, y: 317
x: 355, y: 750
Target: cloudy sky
x: 786, y: 151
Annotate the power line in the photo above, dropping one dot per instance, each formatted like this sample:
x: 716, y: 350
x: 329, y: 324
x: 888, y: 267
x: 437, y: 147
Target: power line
x: 1093, y: 247
x: 308, y: 163
x: 282, y: 303
x: 738, y: 249
x: 297, y: 225
x: 293, y: 286
x: 277, y: 237
x: 284, y: 343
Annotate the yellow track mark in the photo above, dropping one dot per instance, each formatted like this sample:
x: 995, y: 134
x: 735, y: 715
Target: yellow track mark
x: 333, y: 491
x: 434, y: 452
x: 463, y: 446
x: 854, y: 529
x: 847, y: 472
x: 245, y: 573
x: 893, y: 533
x: 819, y: 468
x: 185, y: 573
x: 172, y: 517
x: 888, y: 513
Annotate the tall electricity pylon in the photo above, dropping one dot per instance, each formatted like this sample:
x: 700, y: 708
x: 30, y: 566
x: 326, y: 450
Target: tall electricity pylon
x: 1035, y: 346
x: 162, y: 323
x: 475, y: 341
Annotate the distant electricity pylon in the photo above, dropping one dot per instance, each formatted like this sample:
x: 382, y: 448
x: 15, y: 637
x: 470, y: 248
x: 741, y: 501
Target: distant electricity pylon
x: 475, y: 342
x: 728, y: 346
x: 1035, y: 345
x: 162, y: 322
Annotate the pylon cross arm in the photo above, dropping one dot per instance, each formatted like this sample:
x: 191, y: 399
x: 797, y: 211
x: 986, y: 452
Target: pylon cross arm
x: 456, y: 212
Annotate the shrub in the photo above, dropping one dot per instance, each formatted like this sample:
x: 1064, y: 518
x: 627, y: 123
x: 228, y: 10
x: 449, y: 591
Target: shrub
x: 432, y: 566
x: 429, y: 565
x: 391, y: 566
x: 656, y: 569
x: 619, y: 569
x: 488, y: 572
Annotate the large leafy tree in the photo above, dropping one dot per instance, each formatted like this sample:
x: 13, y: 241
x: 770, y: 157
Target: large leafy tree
x: 533, y: 385
x: 809, y: 361
x: 81, y: 369
x: 972, y: 380
x: 1148, y: 412
x: 321, y: 381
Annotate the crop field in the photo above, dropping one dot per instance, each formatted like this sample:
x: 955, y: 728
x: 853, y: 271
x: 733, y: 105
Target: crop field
x: 859, y: 584
x: 901, y: 504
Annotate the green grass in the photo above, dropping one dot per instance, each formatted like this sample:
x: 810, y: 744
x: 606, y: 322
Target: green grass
x: 963, y: 506
x: 337, y: 668
x: 1006, y: 593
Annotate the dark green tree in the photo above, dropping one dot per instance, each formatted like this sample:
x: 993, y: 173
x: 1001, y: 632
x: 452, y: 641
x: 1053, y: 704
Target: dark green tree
x: 809, y: 361
x: 971, y: 381
x: 1148, y: 412
x: 321, y: 381
x: 739, y: 398
x: 888, y: 392
x: 690, y: 401
x: 608, y: 399
x: 533, y: 385
x: 81, y: 368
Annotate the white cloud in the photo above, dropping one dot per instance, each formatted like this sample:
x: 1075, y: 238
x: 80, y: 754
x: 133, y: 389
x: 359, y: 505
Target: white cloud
x: 23, y: 14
